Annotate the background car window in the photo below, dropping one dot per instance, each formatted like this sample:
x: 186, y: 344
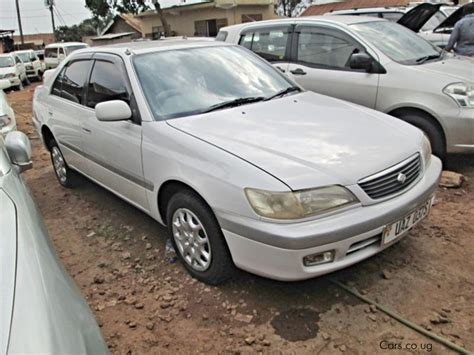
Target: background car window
x: 74, y: 79
x: 246, y: 40
x: 221, y: 36
x: 58, y: 83
x: 434, y: 21
x: 269, y: 44
x: 392, y: 16
x: 325, y: 49
x: 17, y: 60
x: 51, y: 53
x: 107, y: 83
x: 61, y: 50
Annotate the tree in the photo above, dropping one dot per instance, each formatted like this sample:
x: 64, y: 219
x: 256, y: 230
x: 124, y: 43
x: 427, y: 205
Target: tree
x: 103, y: 8
x: 287, y: 7
x: 74, y: 33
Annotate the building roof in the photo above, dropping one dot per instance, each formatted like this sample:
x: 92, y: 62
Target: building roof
x: 350, y: 4
x: 129, y: 19
x: 112, y: 36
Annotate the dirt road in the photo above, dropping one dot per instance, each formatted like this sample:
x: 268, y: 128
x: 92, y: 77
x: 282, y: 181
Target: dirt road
x: 145, y: 303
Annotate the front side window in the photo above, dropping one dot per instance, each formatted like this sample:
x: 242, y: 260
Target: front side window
x: 58, y: 83
x: 107, y: 83
x: 323, y: 48
x: 203, y: 78
x: 397, y: 42
x: 74, y: 79
x: 6, y: 62
x: 269, y: 44
x: 51, y: 53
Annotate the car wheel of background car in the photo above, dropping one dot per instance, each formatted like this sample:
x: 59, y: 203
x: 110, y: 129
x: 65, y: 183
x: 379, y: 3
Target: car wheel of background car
x: 198, y: 239
x: 434, y: 134
x: 66, y: 176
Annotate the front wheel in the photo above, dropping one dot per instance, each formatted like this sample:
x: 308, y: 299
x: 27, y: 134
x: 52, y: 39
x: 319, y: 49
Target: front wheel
x: 198, y: 239
x: 65, y: 175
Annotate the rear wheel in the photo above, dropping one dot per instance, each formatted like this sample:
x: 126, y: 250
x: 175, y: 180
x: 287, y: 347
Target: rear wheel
x: 198, y: 239
x: 65, y: 175
x: 432, y: 131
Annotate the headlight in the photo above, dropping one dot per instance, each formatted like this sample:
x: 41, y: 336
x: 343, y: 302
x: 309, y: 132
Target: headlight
x: 462, y: 93
x: 4, y: 121
x: 299, y: 204
x: 10, y: 75
x: 426, y: 149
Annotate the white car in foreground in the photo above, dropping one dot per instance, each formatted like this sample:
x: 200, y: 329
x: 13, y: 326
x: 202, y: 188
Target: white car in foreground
x: 7, y: 115
x: 243, y: 166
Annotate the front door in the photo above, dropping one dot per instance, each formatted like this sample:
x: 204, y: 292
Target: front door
x: 320, y: 63
x: 114, y: 148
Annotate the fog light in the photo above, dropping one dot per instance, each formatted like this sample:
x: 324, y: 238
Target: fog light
x: 318, y: 259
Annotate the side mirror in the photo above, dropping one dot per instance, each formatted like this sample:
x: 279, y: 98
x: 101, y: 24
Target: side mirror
x: 47, y: 74
x: 19, y: 150
x: 4, y: 84
x: 114, y: 110
x: 361, y: 61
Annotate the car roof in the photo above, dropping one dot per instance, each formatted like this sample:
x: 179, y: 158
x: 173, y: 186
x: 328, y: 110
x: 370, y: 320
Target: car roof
x: 343, y: 19
x: 370, y: 9
x: 140, y: 47
x: 6, y: 54
x: 64, y: 44
x: 24, y: 51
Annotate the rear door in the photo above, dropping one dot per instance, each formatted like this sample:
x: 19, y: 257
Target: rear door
x: 270, y: 42
x: 320, y: 63
x: 66, y: 110
x: 114, y: 148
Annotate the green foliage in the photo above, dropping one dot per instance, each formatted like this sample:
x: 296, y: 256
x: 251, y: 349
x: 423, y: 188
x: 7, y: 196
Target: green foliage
x: 74, y: 33
x: 103, y: 8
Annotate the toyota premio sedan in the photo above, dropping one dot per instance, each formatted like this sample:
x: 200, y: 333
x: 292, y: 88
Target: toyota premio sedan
x: 243, y: 166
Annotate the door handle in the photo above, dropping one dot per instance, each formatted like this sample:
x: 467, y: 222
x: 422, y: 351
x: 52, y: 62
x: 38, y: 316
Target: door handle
x: 87, y: 130
x: 298, y: 71
x: 280, y: 69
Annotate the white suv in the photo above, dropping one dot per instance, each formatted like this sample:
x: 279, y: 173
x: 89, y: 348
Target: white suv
x: 33, y: 65
x: 13, y: 69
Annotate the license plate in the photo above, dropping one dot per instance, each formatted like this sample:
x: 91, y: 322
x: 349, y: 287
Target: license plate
x: 394, y: 230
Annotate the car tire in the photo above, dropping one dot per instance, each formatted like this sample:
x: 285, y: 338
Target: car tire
x: 65, y: 175
x: 435, y: 136
x: 198, y: 238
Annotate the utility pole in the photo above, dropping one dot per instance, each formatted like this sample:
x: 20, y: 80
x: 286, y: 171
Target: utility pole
x: 50, y: 4
x: 19, y: 21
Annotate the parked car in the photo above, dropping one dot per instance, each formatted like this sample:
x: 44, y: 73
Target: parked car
x: 13, y: 69
x: 55, y: 53
x: 429, y: 20
x: 40, y: 54
x: 7, y: 115
x: 41, y: 309
x: 33, y: 65
x: 375, y: 63
x: 244, y: 167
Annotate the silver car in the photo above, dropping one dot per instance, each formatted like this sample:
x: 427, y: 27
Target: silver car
x: 41, y: 310
x: 243, y: 166
x: 375, y: 63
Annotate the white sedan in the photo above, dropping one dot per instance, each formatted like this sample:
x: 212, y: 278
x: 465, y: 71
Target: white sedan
x: 244, y: 167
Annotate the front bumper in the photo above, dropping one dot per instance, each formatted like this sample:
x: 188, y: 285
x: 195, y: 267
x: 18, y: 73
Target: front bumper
x: 276, y: 250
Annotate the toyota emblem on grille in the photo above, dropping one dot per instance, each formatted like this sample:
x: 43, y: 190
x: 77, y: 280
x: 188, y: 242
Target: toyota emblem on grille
x: 401, y: 178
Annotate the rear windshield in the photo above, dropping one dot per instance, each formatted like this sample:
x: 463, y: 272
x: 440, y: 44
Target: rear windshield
x: 51, y: 53
x: 70, y: 49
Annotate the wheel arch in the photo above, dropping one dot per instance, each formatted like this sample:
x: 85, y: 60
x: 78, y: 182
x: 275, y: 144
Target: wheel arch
x: 47, y: 135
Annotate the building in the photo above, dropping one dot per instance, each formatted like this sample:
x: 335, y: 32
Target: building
x: 124, y: 24
x: 34, y: 41
x: 315, y: 9
x: 207, y: 17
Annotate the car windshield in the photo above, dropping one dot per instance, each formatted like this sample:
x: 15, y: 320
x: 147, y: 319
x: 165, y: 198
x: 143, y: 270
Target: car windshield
x: 397, y: 42
x: 186, y: 82
x: 6, y: 62
x: 70, y: 49
x: 25, y: 56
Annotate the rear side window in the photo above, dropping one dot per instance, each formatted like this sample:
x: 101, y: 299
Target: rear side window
x: 221, y: 36
x: 270, y: 44
x: 51, y: 53
x: 74, y: 79
x: 107, y: 82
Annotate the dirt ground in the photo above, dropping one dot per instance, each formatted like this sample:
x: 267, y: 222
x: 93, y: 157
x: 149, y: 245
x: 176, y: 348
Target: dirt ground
x: 146, y: 303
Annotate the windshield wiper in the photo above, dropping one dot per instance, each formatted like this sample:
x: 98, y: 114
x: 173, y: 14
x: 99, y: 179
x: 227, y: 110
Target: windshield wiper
x: 283, y: 92
x: 428, y: 57
x: 233, y: 103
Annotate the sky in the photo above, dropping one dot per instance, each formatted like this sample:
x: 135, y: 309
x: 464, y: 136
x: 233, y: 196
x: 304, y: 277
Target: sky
x: 36, y: 17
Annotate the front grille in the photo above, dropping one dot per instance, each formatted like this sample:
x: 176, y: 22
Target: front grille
x: 392, y: 180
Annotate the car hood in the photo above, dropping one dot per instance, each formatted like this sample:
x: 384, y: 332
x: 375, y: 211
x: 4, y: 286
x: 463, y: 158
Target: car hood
x: 451, y: 68
x: 7, y: 70
x: 307, y: 140
x: 48, y: 309
x: 7, y: 265
x: 416, y: 18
